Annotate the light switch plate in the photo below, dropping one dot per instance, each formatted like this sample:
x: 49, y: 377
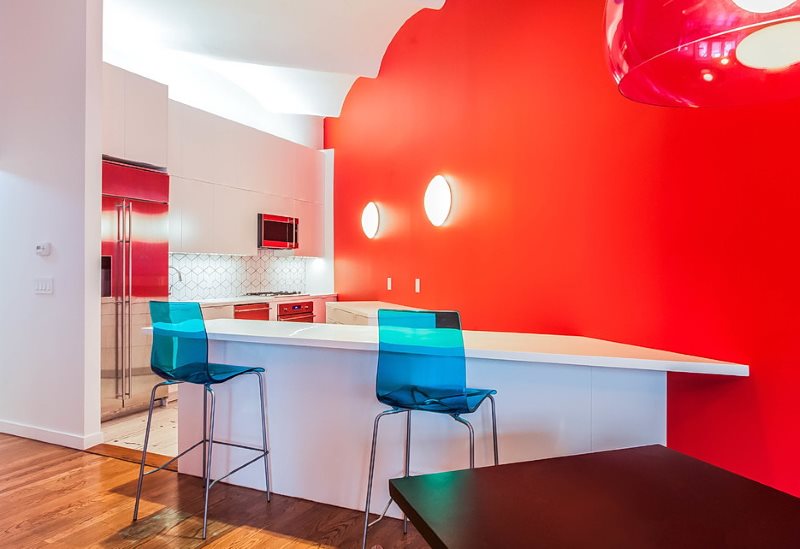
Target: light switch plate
x: 417, y: 285
x: 388, y: 282
x: 43, y: 286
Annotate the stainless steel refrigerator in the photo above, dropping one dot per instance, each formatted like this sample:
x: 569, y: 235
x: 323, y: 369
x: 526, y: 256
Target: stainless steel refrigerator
x: 135, y: 265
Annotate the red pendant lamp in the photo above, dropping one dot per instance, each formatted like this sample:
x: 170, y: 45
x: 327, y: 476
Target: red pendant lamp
x: 704, y: 53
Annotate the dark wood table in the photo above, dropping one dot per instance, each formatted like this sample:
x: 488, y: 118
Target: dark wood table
x: 641, y: 498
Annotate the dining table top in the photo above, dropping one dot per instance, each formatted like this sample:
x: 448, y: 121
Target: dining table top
x: 643, y: 497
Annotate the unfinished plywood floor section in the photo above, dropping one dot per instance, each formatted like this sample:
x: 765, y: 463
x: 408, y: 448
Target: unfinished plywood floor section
x: 56, y: 497
x: 128, y: 431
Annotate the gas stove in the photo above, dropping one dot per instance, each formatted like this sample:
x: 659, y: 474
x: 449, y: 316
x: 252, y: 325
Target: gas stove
x: 272, y: 294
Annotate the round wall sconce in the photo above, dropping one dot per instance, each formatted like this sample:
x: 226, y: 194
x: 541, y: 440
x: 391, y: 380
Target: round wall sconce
x: 370, y: 220
x: 703, y: 53
x: 438, y: 200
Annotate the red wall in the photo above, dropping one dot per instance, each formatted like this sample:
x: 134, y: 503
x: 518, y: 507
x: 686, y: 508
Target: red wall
x: 580, y: 212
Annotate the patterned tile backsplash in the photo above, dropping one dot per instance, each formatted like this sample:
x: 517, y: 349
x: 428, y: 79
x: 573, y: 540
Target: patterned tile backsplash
x: 207, y: 276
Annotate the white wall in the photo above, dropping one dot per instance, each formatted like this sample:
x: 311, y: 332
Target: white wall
x: 50, y: 59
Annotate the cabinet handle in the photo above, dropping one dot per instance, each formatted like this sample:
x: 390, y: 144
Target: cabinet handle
x: 130, y: 299
x: 119, y: 306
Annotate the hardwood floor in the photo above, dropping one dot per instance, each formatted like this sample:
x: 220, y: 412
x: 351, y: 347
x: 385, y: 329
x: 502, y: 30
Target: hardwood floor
x: 57, y: 497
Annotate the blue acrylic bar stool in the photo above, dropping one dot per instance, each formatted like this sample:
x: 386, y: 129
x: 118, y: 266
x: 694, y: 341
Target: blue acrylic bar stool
x: 421, y: 366
x: 180, y: 355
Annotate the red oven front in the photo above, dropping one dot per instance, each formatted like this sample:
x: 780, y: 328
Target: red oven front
x: 296, y: 312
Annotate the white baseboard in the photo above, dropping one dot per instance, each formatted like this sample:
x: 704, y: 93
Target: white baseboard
x: 53, y: 437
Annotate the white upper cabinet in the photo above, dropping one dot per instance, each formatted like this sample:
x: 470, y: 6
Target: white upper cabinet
x: 280, y: 162
x: 310, y: 229
x: 278, y: 205
x: 209, y: 218
x: 145, y: 120
x: 191, y: 216
x: 113, y: 111
x: 235, y: 221
x: 249, y: 172
x: 134, y: 117
x: 309, y: 173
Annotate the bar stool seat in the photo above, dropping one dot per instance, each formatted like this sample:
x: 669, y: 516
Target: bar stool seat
x: 180, y: 355
x: 209, y: 373
x: 436, y: 399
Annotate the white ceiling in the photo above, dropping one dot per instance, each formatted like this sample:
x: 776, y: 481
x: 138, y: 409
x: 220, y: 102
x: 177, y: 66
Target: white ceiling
x: 259, y: 59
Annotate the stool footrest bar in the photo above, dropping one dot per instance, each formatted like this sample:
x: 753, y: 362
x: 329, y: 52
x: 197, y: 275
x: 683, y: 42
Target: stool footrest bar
x: 173, y: 459
x: 242, y: 446
x: 262, y: 456
x: 383, y: 514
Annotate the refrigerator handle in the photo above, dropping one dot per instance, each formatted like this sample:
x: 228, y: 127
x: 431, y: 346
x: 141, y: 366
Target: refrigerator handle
x: 130, y: 296
x: 119, y: 306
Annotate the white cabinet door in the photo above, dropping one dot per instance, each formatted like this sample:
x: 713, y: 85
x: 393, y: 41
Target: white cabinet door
x: 113, y: 111
x: 280, y: 165
x: 235, y: 221
x: 309, y: 166
x: 192, y: 208
x: 310, y: 229
x: 205, y: 146
x: 277, y: 205
x: 145, y: 120
x: 134, y: 117
x: 252, y: 163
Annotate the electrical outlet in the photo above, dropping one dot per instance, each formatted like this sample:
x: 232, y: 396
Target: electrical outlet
x: 417, y: 285
x: 388, y: 282
x: 43, y: 285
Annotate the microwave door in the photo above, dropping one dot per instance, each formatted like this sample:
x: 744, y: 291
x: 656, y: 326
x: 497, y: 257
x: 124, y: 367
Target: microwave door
x: 277, y: 231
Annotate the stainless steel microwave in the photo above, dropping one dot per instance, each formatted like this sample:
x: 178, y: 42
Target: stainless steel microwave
x: 277, y: 231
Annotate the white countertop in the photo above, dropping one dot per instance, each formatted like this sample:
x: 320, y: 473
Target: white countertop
x: 519, y: 347
x: 259, y: 299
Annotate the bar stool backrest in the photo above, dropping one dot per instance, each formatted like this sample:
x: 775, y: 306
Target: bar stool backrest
x: 420, y: 351
x: 179, y: 337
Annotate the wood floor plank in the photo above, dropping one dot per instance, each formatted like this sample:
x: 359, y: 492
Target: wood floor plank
x: 134, y: 456
x: 54, y: 497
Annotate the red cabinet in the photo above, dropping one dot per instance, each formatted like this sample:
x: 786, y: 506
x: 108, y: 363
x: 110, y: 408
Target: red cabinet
x: 251, y: 311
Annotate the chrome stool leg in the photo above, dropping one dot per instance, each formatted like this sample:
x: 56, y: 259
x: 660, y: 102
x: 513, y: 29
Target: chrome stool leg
x: 408, y: 461
x: 205, y: 431
x: 494, y: 432
x: 208, y: 464
x: 144, y: 449
x: 264, y: 432
x: 372, y: 471
x: 471, y: 439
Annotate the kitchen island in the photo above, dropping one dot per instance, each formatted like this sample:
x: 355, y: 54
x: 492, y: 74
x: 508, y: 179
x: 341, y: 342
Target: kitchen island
x: 557, y: 395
